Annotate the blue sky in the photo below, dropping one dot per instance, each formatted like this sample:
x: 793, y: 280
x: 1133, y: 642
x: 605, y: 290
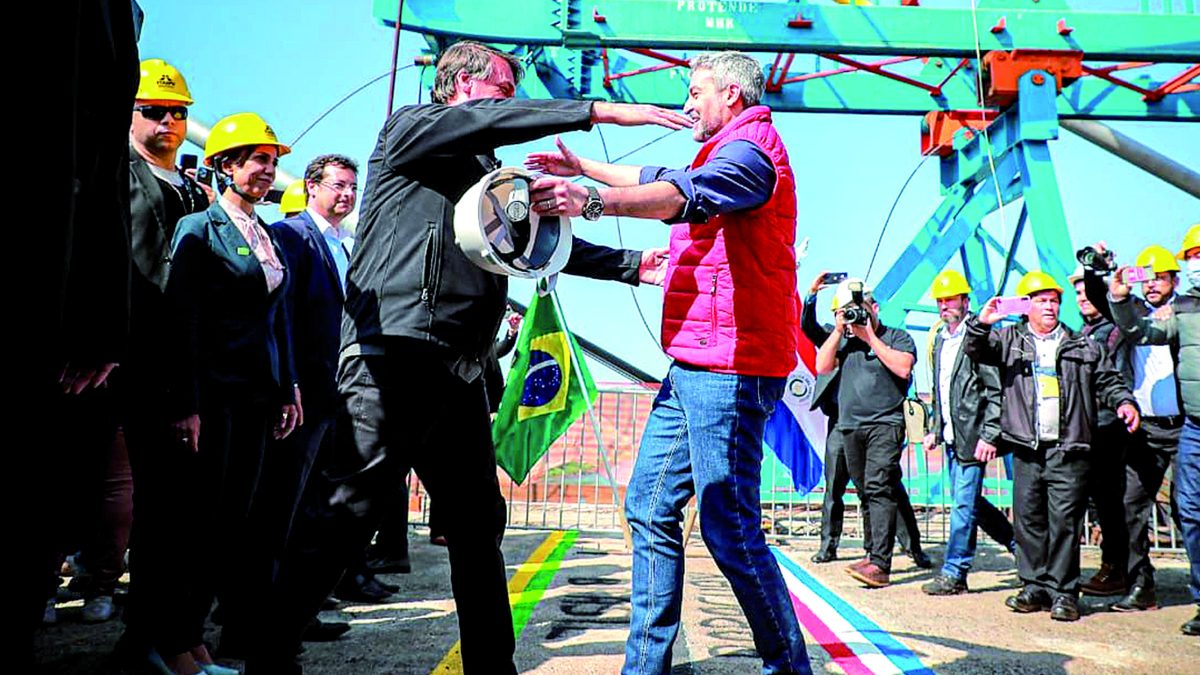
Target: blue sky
x: 291, y: 61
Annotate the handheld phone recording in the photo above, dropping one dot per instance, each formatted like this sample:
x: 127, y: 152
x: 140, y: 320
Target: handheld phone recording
x: 1013, y: 305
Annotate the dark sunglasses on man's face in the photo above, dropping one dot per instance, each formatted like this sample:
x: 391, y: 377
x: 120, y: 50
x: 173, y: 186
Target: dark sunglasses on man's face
x: 156, y: 112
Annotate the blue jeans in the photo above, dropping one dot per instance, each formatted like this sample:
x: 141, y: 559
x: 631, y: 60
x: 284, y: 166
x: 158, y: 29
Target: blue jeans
x: 704, y: 437
x: 1187, y: 495
x: 967, y: 483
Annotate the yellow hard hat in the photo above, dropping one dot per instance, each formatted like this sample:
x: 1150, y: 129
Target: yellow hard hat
x: 949, y: 284
x: 294, y: 199
x: 237, y: 130
x: 1191, y: 240
x: 1158, y: 259
x: 161, y: 81
x: 1035, y: 281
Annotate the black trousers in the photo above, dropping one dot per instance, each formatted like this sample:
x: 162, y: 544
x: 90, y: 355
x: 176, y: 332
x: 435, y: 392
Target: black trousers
x: 1152, y: 449
x: 407, y: 411
x: 873, y: 458
x: 1106, y: 489
x: 1049, y: 501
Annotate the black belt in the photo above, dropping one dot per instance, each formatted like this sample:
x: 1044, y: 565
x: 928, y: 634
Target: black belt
x: 1167, y: 421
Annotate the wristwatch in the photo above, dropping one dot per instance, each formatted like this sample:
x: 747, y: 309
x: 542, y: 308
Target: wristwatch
x: 593, y: 208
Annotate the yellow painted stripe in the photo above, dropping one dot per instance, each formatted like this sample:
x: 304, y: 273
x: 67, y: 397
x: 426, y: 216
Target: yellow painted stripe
x: 451, y: 664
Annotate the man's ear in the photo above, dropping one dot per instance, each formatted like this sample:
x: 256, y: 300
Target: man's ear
x: 733, y: 94
x: 462, y: 82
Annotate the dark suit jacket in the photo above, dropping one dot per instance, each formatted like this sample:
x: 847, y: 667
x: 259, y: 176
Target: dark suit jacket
x: 232, y: 335
x: 151, y: 349
x: 75, y: 276
x: 974, y: 403
x: 826, y: 386
x: 314, y: 302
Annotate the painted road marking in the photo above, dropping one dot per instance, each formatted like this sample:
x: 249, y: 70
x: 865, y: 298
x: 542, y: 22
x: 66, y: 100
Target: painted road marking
x: 855, y: 643
x: 525, y: 590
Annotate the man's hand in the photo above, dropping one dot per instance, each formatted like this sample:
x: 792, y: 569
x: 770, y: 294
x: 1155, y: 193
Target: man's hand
x: 816, y: 284
x: 187, y: 430
x: 988, y: 316
x: 1129, y: 415
x: 555, y: 196
x: 287, y: 421
x: 1116, y: 284
x: 1163, y: 313
x: 637, y: 114
x: 299, y: 407
x: 839, y: 323
x: 74, y: 379
x: 653, y: 269
x: 984, y: 451
x: 562, y: 163
x: 208, y: 191
x: 514, y: 323
x: 929, y: 443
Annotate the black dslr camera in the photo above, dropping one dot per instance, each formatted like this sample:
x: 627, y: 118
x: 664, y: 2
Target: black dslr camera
x: 855, y: 312
x: 1097, y: 261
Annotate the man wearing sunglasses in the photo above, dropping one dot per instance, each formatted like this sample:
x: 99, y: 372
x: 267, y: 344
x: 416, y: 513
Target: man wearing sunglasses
x: 159, y: 194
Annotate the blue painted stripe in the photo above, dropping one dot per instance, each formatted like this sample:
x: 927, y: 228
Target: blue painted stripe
x: 897, y: 653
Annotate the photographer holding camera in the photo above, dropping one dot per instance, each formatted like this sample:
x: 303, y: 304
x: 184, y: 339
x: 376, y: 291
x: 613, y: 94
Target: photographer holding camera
x: 876, y: 364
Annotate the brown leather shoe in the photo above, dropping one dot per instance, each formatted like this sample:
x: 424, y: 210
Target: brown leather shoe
x: 858, y: 564
x: 871, y: 575
x: 1107, y: 581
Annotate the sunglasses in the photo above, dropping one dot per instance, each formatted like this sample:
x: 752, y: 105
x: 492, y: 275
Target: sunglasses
x: 157, y: 112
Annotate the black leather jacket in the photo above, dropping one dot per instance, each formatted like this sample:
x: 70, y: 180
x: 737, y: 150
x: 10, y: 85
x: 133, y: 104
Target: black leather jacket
x: 1086, y: 379
x: 975, y: 403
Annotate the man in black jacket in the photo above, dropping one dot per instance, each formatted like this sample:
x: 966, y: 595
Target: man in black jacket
x: 1053, y: 379
x: 419, y: 322
x: 1152, y: 448
x: 966, y: 421
x: 1106, y: 482
x: 159, y: 195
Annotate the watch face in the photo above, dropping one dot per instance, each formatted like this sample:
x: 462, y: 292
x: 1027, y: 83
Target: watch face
x: 593, y: 209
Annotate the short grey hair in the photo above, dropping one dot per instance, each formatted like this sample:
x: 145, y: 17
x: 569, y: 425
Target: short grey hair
x: 734, y: 68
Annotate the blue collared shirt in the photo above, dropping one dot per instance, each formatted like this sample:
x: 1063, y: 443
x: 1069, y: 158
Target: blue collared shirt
x: 736, y: 177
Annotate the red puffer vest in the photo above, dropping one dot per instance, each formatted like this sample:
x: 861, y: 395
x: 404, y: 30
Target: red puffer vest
x: 730, y: 304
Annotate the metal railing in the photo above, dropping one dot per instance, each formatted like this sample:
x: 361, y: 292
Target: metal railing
x: 568, y: 488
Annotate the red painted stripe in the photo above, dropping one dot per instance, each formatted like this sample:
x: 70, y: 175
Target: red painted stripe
x: 841, y: 653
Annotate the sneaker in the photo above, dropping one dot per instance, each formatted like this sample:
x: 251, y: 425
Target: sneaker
x: 945, y: 584
x: 98, y: 609
x: 50, y: 614
x: 871, y: 575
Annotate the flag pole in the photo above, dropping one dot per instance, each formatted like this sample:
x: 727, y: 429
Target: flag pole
x: 587, y: 398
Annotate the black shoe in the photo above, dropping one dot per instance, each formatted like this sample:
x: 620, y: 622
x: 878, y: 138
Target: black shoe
x: 1064, y: 609
x: 385, y: 564
x: 824, y: 556
x: 920, y: 559
x: 1028, y: 600
x: 1140, y: 598
x: 945, y: 584
x: 390, y: 588
x: 324, y: 631
x: 360, y: 588
x: 1192, y: 627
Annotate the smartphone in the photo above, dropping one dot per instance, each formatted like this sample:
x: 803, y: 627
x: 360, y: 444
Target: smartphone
x: 204, y: 175
x: 1135, y: 275
x: 1014, y: 305
x: 188, y: 162
x: 831, y: 278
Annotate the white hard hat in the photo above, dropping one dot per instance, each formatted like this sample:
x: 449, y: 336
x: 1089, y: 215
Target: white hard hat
x: 844, y: 294
x: 496, y: 229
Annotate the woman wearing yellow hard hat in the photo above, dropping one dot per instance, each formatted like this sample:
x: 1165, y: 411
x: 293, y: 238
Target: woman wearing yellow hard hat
x: 232, y: 385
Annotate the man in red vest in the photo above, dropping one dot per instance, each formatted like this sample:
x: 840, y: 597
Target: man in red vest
x: 730, y: 325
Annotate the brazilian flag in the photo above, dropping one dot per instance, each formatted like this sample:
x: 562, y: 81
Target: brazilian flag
x: 542, y: 395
